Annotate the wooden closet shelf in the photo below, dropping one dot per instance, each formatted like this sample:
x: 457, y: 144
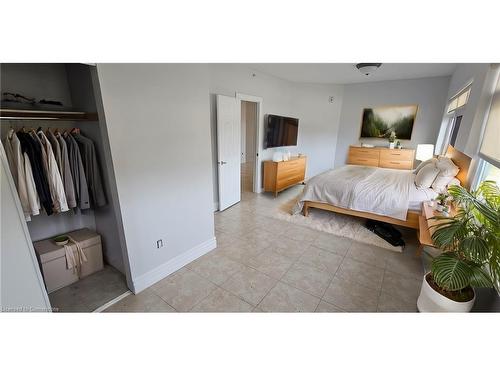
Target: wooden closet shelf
x: 32, y: 114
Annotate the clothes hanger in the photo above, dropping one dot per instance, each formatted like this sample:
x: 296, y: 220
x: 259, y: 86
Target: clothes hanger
x: 11, y: 131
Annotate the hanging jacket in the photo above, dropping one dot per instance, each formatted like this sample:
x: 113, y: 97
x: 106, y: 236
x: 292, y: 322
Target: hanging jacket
x: 56, y: 148
x: 66, y: 175
x: 32, y: 149
x: 21, y: 172
x: 78, y: 173
x: 53, y: 176
x: 92, y: 170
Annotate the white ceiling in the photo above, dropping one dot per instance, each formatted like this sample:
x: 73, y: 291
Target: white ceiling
x: 347, y: 73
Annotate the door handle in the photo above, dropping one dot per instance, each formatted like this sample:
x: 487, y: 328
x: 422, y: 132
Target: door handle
x: 222, y: 162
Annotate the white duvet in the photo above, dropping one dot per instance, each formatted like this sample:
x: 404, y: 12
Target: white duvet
x: 377, y: 190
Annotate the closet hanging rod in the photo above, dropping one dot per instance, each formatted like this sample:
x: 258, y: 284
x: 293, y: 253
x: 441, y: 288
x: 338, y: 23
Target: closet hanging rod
x: 30, y: 114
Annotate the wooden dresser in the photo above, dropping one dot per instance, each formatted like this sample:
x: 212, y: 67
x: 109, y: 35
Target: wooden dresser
x: 280, y: 175
x: 382, y: 157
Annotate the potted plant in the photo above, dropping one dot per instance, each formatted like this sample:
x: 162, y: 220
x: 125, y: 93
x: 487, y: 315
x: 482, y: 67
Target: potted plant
x: 442, y: 202
x: 470, y: 242
x: 392, y: 139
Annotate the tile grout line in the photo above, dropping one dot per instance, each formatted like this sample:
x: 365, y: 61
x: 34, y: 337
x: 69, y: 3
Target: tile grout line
x: 335, y: 273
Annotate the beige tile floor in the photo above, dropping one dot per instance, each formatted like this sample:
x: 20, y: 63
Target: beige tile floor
x: 264, y: 264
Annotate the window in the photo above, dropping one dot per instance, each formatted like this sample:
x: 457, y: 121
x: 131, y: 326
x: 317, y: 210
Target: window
x: 456, y: 126
x: 450, y: 133
x: 488, y: 172
x: 459, y: 100
x: 452, y: 120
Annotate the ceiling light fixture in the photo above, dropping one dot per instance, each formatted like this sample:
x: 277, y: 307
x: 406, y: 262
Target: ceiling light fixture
x: 368, y: 68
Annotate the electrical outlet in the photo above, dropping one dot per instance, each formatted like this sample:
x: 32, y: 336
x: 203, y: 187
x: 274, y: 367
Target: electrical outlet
x: 159, y: 243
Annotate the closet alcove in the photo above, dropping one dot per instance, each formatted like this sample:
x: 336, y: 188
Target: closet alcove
x: 76, y: 86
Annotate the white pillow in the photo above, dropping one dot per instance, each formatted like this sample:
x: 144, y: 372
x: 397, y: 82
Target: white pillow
x: 426, y: 176
x: 441, y: 183
x: 454, y: 181
x: 446, y: 167
x: 424, y: 163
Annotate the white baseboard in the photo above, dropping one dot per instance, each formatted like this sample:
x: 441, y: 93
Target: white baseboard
x: 144, y: 281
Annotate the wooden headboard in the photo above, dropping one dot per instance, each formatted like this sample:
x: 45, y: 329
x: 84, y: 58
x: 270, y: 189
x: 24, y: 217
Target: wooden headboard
x: 462, y: 161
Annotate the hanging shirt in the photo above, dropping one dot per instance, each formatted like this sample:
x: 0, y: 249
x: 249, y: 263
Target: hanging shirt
x: 92, y: 170
x: 33, y: 199
x: 32, y: 149
x: 53, y: 176
x: 55, y: 148
x: 66, y: 175
x: 77, y: 172
x: 19, y: 168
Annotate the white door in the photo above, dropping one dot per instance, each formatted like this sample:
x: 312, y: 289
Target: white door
x: 228, y: 151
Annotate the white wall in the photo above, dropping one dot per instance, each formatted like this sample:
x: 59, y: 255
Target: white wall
x: 157, y: 119
x: 429, y: 93
x: 318, y: 119
x: 21, y: 284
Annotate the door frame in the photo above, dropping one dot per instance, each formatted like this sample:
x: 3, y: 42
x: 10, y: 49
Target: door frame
x: 259, y: 129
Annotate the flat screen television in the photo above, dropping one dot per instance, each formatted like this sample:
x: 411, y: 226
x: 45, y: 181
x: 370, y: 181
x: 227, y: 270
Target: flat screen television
x: 281, y: 131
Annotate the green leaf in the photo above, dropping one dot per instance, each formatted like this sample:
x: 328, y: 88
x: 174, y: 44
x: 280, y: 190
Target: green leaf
x: 451, y: 273
x: 476, y: 247
x: 491, y: 193
x: 488, y: 212
x: 450, y: 231
x: 479, y: 278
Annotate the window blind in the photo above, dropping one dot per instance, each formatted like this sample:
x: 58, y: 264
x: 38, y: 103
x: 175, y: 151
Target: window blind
x: 490, y: 146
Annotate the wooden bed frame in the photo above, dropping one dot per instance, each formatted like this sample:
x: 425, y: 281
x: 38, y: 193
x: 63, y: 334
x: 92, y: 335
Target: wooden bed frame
x: 459, y: 158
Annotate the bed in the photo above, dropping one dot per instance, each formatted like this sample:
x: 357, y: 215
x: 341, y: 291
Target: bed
x: 382, y: 194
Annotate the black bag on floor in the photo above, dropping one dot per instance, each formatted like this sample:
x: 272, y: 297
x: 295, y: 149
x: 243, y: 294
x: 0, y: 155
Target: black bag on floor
x: 385, y: 231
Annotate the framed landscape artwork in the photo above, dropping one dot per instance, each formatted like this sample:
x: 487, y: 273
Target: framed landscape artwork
x: 379, y: 122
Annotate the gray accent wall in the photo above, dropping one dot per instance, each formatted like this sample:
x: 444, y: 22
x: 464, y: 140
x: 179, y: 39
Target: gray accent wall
x: 428, y: 93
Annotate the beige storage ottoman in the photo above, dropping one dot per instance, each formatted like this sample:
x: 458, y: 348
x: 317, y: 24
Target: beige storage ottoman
x: 52, y: 259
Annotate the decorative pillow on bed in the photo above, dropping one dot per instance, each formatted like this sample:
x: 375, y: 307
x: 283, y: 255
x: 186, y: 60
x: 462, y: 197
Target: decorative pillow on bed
x: 424, y: 163
x: 454, y: 181
x: 441, y: 183
x: 447, y: 167
x: 426, y: 176
x: 447, y: 172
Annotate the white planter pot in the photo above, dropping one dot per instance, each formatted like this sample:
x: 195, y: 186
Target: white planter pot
x: 431, y: 301
x: 391, y: 145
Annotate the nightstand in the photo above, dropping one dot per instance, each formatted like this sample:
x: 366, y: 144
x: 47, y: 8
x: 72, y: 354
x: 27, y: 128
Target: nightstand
x: 425, y: 222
